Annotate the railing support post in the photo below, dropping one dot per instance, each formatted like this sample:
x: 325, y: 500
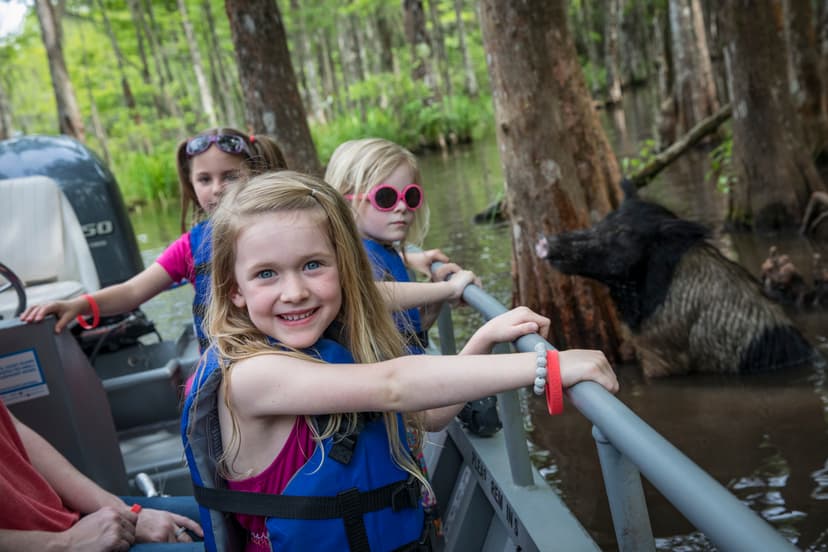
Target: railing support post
x: 445, y: 329
x: 513, y: 432
x: 628, y: 506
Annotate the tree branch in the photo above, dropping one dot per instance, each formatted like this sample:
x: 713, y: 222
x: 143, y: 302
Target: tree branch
x: 655, y: 165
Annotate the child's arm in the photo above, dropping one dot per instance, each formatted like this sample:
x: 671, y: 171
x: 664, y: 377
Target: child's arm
x: 409, y: 295
x: 275, y: 384
x: 111, y: 300
x: 430, y: 312
x: 505, y: 328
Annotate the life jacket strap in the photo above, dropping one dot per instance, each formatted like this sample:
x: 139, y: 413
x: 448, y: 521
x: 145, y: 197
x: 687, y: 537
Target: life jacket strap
x: 397, y: 496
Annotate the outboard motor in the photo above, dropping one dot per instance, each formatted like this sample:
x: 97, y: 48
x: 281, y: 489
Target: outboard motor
x: 91, y: 190
x: 94, y: 195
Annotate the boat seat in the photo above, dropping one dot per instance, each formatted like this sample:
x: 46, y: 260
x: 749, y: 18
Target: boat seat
x: 47, y: 382
x: 43, y: 243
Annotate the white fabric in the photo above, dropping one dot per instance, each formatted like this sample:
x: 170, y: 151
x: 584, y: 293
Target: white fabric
x: 42, y: 242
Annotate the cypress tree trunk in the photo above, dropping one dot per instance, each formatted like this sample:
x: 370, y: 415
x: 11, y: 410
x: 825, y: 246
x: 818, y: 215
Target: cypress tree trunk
x: 558, y: 165
x: 470, y: 79
x: 69, y: 117
x: 207, y: 103
x: 806, y: 85
x: 775, y: 172
x: 694, y: 86
x: 273, y: 105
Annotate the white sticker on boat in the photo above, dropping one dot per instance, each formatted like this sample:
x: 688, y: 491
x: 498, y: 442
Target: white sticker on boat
x: 21, y: 377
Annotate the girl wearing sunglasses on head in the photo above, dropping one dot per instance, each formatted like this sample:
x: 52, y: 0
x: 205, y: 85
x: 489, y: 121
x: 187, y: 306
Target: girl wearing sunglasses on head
x: 382, y: 181
x: 207, y: 164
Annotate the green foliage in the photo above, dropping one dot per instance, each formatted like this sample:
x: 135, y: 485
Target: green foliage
x: 595, y: 76
x: 146, y: 176
x: 648, y: 150
x: 141, y: 141
x: 413, y: 124
x: 721, y: 167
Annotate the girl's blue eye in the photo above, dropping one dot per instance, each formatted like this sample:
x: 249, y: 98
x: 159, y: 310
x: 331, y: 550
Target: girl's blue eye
x: 264, y: 274
x: 313, y: 265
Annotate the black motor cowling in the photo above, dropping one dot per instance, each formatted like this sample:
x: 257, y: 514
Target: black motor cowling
x: 91, y: 190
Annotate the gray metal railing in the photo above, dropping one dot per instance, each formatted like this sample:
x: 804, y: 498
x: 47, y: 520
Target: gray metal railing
x: 627, y: 447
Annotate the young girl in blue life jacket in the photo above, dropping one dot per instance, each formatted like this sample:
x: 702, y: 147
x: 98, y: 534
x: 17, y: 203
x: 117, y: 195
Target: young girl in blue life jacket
x: 383, y: 183
x: 303, y: 397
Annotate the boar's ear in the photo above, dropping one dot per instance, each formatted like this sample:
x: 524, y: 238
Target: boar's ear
x: 683, y: 231
x: 629, y: 188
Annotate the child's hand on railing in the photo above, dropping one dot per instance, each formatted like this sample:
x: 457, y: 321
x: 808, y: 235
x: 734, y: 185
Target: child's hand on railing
x: 421, y: 261
x: 505, y: 328
x: 459, y: 279
x: 586, y: 364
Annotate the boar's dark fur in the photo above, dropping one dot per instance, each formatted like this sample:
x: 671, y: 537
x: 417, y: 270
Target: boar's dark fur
x: 689, y: 308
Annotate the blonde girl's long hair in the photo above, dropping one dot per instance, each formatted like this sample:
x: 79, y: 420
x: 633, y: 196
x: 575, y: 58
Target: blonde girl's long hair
x: 262, y: 154
x: 369, y: 328
x: 356, y: 166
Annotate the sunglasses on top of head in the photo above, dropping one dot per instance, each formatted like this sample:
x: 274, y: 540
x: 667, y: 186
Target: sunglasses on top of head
x: 228, y: 143
x: 386, y: 197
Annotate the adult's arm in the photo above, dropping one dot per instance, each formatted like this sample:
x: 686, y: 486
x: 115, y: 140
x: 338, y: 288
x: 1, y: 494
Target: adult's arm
x: 77, y: 491
x: 83, y: 495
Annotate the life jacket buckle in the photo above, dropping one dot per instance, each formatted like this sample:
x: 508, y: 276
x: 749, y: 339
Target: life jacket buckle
x: 343, y: 449
x: 406, y: 495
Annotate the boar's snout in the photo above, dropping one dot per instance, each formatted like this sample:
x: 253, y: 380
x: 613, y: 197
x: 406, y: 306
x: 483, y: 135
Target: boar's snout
x: 545, y: 245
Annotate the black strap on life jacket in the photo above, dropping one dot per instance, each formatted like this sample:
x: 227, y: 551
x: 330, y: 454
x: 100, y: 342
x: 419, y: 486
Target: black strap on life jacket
x: 350, y: 505
x: 344, y: 443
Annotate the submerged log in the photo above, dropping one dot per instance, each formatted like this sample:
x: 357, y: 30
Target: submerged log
x: 494, y: 213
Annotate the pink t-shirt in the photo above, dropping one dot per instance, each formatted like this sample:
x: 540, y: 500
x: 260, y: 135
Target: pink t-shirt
x: 177, y: 260
x: 273, y: 480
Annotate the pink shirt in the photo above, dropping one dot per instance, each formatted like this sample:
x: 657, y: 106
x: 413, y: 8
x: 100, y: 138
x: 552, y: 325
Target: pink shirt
x: 177, y: 260
x: 273, y: 480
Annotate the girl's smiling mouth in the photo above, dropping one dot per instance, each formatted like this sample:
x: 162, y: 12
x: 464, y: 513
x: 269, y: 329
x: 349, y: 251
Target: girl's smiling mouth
x: 297, y: 316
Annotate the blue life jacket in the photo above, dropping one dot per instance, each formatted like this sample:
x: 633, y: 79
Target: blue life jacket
x: 200, y: 245
x: 349, y: 495
x: 388, y: 266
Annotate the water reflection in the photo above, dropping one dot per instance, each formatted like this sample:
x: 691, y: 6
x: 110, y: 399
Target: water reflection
x: 762, y: 437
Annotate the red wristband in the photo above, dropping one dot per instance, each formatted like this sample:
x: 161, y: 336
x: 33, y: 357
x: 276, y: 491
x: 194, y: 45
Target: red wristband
x: 554, y: 390
x: 96, y: 314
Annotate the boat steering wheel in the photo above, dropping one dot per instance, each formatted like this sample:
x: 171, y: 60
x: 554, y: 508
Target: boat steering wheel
x: 13, y: 282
